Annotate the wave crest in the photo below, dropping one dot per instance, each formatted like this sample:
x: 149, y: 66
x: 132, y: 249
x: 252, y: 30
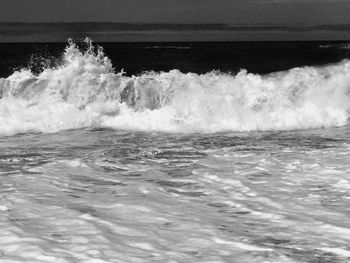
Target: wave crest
x: 84, y: 91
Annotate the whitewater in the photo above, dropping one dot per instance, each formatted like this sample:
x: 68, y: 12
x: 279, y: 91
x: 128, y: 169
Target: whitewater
x: 83, y: 91
x: 169, y: 166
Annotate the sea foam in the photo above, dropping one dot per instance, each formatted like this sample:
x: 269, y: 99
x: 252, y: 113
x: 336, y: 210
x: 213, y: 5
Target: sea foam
x: 83, y: 90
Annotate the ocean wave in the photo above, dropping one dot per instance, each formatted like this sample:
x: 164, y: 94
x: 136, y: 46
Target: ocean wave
x: 83, y: 90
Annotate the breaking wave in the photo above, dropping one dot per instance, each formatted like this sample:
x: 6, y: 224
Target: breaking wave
x: 83, y: 90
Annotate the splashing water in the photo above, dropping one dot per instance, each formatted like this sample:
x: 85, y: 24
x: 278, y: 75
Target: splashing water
x: 84, y: 91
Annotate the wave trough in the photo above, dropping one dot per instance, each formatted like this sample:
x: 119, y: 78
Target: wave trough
x: 84, y: 91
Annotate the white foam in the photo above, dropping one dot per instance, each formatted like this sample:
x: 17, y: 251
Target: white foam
x: 3, y: 208
x: 84, y: 91
x: 241, y: 245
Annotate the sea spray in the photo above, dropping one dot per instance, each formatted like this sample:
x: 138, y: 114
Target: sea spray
x: 83, y: 90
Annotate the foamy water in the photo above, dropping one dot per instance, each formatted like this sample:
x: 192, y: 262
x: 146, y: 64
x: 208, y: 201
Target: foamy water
x: 97, y: 166
x: 84, y: 91
x: 113, y: 196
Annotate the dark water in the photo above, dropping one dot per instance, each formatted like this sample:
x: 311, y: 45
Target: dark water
x: 199, y: 57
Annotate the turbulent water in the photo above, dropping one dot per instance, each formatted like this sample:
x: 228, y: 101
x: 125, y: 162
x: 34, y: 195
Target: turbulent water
x: 98, y: 166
